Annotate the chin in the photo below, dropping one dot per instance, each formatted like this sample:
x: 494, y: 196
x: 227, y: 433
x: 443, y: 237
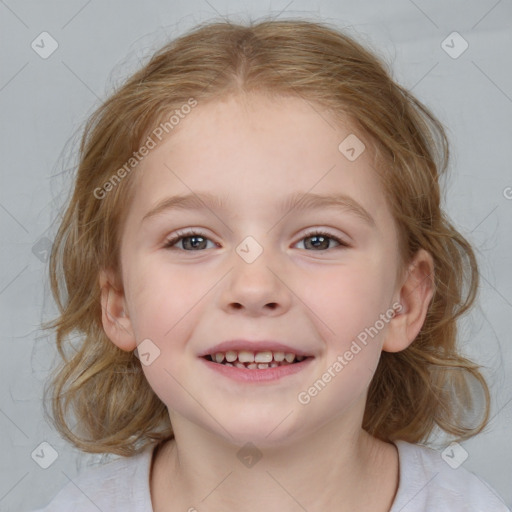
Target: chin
x: 264, y: 428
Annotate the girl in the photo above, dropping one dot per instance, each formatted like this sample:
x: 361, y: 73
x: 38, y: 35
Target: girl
x: 266, y: 287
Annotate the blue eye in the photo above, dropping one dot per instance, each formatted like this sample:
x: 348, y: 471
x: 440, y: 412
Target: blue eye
x: 196, y: 241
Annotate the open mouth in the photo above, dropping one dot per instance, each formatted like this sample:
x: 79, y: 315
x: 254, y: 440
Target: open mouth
x: 254, y: 360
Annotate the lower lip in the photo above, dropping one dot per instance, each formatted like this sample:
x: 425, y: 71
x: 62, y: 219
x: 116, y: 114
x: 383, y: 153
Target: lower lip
x: 257, y: 375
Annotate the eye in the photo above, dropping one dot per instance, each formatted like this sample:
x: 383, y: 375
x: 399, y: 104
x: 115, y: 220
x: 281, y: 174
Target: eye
x: 190, y: 240
x: 320, y: 240
x: 195, y: 241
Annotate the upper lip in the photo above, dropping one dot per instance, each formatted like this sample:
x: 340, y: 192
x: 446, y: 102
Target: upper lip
x: 253, y: 346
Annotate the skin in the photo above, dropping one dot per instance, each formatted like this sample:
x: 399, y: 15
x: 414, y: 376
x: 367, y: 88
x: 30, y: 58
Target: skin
x: 253, y: 151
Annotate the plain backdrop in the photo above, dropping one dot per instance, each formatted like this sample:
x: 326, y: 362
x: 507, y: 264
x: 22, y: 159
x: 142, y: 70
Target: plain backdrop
x: 45, y: 101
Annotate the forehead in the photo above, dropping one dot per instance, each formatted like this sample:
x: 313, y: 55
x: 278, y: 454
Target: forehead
x: 253, y: 150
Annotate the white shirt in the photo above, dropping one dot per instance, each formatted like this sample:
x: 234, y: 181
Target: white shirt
x: 427, y: 484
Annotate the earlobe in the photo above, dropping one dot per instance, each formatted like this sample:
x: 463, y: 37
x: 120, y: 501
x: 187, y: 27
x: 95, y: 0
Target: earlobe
x: 116, y: 322
x: 416, y: 293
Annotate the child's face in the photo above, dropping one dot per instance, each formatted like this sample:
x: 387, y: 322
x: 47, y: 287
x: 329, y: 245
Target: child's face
x: 311, y: 294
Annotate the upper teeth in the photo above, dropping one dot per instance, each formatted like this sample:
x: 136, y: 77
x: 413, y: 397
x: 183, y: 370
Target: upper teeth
x: 244, y: 356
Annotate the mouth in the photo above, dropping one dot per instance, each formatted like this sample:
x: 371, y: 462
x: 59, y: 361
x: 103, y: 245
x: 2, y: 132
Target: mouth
x: 256, y: 361
x: 248, y: 360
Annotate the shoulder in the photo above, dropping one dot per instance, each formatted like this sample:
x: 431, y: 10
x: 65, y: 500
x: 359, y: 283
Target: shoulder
x: 428, y: 482
x: 119, y: 485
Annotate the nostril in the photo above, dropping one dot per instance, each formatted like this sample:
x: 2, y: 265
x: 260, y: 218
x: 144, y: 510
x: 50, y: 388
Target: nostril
x: 270, y: 305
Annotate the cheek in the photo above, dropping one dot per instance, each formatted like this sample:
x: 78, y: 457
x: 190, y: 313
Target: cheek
x: 348, y: 299
x: 169, y: 378
x: 165, y: 307
x: 164, y: 301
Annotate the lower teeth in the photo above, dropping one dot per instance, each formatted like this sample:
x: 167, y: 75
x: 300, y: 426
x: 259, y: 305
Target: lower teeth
x: 255, y: 366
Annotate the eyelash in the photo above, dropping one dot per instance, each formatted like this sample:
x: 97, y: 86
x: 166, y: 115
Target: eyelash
x: 189, y: 234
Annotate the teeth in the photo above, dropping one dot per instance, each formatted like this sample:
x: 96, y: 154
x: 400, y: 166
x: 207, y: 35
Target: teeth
x: 245, y: 357
x: 231, y: 356
x: 289, y: 357
x: 250, y: 360
x: 263, y: 357
x: 278, y: 356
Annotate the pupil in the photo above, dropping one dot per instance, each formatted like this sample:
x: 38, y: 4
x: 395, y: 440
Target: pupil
x: 318, y: 239
x: 195, y: 241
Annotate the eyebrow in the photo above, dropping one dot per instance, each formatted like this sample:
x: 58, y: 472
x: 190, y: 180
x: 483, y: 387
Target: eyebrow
x: 298, y: 201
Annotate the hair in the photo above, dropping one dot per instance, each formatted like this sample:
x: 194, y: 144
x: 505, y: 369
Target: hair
x: 413, y: 392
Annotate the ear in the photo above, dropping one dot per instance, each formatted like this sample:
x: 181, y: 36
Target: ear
x: 415, y: 293
x: 115, y: 319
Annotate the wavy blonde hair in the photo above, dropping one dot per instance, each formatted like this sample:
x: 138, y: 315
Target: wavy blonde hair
x: 425, y: 386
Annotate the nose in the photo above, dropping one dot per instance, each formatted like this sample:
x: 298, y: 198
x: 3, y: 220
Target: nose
x: 257, y: 288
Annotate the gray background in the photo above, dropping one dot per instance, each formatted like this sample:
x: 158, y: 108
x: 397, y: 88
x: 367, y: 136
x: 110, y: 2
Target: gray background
x: 44, y: 103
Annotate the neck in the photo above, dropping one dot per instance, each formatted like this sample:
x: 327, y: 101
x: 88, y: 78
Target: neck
x: 349, y: 471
